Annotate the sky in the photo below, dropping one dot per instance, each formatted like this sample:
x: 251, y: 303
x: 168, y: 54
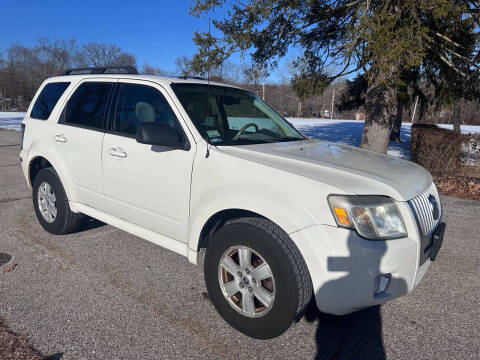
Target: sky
x: 156, y: 32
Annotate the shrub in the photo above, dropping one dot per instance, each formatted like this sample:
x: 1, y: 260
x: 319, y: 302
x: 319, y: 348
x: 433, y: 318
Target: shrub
x: 443, y: 152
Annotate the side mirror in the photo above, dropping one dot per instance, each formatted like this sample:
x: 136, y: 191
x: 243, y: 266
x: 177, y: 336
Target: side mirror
x: 156, y: 133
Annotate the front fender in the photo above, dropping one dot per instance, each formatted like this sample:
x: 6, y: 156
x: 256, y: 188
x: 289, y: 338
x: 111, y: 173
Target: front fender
x: 223, y: 181
x: 202, y: 213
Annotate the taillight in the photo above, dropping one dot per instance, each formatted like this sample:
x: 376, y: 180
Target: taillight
x: 22, y: 132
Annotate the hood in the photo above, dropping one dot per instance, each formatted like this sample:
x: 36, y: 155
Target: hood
x: 348, y: 168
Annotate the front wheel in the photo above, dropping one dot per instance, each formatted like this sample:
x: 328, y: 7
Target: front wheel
x: 256, y: 277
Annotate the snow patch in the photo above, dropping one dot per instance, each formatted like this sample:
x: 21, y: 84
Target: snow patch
x: 11, y: 120
x: 348, y: 132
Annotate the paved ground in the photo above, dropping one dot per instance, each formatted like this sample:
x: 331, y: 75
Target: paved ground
x: 103, y: 294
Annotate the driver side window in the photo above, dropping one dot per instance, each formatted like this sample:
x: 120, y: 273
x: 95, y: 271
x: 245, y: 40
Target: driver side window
x: 140, y: 103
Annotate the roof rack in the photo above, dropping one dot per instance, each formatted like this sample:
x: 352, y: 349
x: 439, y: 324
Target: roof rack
x: 102, y: 70
x: 191, y: 77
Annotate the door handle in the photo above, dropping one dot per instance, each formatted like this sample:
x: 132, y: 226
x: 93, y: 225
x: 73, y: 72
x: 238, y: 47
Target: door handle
x: 118, y: 152
x: 60, y: 138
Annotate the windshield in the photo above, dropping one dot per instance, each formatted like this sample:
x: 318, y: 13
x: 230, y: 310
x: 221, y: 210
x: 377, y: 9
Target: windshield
x: 229, y: 116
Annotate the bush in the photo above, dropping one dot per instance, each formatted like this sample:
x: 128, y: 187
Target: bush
x: 443, y: 152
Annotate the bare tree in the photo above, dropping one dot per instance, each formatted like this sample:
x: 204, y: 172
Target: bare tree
x: 148, y: 69
x: 101, y: 54
x: 55, y: 55
x: 23, y: 69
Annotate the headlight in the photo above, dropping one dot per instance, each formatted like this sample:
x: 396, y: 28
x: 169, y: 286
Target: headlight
x: 373, y: 217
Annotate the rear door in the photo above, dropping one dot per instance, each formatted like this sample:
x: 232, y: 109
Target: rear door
x: 146, y: 185
x: 78, y: 137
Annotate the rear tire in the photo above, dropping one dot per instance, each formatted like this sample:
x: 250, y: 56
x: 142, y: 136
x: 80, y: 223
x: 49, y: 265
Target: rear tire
x: 287, y: 289
x: 51, y: 204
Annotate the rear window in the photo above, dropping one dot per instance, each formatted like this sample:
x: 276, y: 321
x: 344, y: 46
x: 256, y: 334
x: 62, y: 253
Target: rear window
x: 47, y: 100
x: 87, y: 106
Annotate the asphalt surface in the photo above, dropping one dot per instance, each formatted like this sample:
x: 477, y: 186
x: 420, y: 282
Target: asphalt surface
x: 101, y: 293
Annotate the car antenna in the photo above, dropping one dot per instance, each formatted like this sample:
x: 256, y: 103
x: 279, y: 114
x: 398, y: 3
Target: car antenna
x: 208, y: 84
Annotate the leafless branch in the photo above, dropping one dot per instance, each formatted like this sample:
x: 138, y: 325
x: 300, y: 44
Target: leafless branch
x: 284, y: 26
x: 446, y: 38
x: 451, y: 65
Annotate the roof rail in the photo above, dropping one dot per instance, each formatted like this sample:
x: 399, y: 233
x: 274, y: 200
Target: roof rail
x: 102, y: 70
x: 190, y: 77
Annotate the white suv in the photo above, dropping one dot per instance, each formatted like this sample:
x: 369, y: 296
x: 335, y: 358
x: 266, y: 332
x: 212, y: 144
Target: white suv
x: 213, y: 173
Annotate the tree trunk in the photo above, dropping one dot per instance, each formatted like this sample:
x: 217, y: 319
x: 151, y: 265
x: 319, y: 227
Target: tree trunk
x: 381, y: 110
x: 457, y: 106
x: 299, y: 108
x: 397, y: 123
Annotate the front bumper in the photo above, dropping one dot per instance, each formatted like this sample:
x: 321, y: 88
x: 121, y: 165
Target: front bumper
x: 344, y: 267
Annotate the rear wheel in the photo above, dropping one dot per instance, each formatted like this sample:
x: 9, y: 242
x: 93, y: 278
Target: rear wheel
x: 256, y: 277
x: 51, y: 204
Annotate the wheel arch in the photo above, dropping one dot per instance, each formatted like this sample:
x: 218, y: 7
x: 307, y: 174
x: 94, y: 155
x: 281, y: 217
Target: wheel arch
x: 36, y: 164
x: 217, y: 220
x: 203, y: 227
x: 39, y: 161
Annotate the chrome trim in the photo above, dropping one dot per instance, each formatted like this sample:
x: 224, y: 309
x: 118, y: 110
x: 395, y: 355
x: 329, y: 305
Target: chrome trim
x: 424, y: 212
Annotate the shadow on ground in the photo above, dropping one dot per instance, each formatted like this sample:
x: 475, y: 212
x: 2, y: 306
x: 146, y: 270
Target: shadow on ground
x: 57, y: 356
x: 354, y: 336
x: 88, y: 223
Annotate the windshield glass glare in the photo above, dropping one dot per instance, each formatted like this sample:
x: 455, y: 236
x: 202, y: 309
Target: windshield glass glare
x: 229, y: 116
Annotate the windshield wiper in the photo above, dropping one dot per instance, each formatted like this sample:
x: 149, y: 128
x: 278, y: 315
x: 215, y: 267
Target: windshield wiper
x: 288, y: 138
x: 242, y: 142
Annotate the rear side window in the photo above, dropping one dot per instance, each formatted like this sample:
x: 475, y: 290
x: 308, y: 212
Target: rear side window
x: 140, y: 103
x: 47, y: 100
x: 88, y: 105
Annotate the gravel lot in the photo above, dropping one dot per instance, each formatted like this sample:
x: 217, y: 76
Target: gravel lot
x: 103, y: 294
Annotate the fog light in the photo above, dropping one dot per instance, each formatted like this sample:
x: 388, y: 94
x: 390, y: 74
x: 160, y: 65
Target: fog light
x: 381, y: 283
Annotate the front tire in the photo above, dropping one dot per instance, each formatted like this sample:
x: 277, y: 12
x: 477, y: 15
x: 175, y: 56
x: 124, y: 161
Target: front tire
x: 256, y: 277
x: 51, y: 204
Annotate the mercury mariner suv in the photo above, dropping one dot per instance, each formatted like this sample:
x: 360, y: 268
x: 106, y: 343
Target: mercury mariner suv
x: 213, y: 173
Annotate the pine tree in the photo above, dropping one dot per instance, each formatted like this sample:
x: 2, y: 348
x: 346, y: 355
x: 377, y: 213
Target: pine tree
x: 381, y: 39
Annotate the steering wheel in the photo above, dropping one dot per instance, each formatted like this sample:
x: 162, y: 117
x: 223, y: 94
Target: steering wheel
x: 242, y: 130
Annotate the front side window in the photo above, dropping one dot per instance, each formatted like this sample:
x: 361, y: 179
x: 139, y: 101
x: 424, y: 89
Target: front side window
x: 230, y: 116
x: 140, y: 103
x: 47, y: 100
x: 88, y: 105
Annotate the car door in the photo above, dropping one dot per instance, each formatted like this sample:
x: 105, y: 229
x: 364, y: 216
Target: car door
x: 147, y: 185
x: 78, y: 138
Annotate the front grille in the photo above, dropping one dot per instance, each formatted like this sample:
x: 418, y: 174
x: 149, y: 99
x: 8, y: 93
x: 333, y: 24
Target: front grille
x: 424, y: 210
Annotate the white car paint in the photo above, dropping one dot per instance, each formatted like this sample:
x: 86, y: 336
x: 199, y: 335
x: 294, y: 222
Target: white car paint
x: 167, y: 196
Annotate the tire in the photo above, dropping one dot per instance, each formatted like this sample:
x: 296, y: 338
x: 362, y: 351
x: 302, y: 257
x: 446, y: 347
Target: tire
x: 289, y: 284
x: 64, y: 221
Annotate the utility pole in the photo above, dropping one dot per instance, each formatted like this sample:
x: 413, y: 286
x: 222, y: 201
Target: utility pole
x: 323, y: 106
x: 263, y: 91
x: 333, y: 101
x: 414, y: 109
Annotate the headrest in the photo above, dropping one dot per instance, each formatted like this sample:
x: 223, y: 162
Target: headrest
x: 144, y: 112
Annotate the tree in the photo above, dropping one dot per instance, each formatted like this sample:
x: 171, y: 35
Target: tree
x: 101, y: 54
x: 380, y: 38
x: 184, y: 66
x: 354, y: 95
x: 152, y: 70
x: 23, y: 69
